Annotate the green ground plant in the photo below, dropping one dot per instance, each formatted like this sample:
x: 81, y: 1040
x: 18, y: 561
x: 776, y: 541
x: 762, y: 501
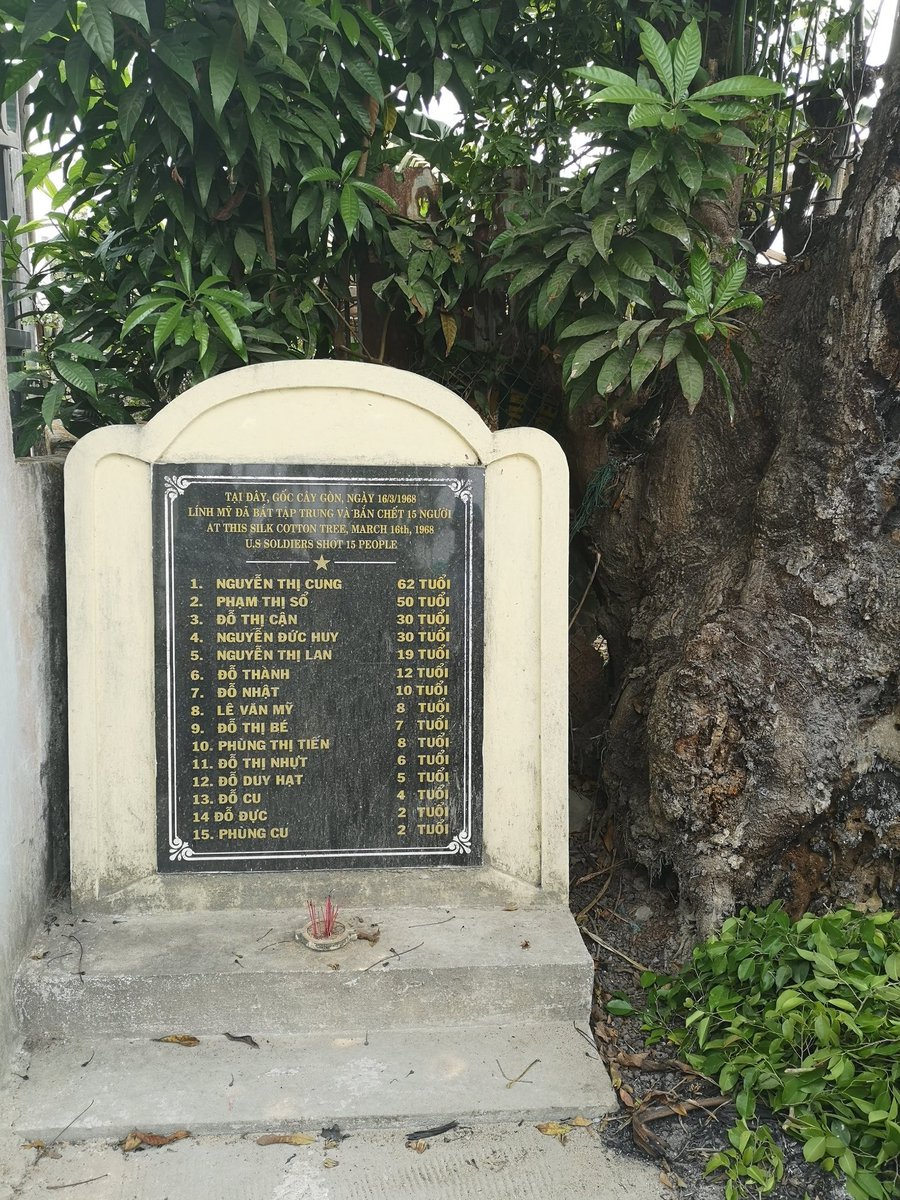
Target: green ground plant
x: 803, y: 1018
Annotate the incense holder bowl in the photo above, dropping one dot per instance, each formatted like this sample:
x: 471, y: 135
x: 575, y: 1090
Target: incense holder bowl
x: 339, y: 937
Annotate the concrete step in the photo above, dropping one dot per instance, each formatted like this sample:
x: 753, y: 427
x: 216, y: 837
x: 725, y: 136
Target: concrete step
x: 243, y: 972
x: 410, y: 1078
x: 487, y: 1162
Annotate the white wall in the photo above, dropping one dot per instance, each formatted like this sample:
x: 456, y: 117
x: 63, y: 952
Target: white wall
x: 32, y: 724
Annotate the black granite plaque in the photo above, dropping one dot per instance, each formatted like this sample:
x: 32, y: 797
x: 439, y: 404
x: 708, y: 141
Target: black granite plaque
x: 319, y: 637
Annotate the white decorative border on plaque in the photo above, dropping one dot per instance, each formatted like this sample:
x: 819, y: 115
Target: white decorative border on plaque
x: 461, y: 844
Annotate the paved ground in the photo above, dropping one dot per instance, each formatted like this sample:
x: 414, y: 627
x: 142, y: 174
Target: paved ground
x: 492, y: 1162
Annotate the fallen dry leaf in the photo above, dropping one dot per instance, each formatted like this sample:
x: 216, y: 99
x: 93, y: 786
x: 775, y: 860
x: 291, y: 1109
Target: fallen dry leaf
x: 581, y: 1122
x: 511, y: 908
x: 179, y: 1039
x: 243, y: 1037
x: 555, y: 1129
x: 330, y: 1162
x: 136, y: 1140
x: 626, y: 1097
x: 285, y: 1139
x: 419, y: 1146
x: 37, y: 1144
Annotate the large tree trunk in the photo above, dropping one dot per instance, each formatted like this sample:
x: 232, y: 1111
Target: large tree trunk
x: 750, y: 594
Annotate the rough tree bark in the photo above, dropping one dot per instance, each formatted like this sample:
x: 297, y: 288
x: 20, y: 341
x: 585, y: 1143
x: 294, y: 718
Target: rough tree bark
x: 750, y: 593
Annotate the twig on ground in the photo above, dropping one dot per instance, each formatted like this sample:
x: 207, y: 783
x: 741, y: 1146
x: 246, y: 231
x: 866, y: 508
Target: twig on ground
x: 393, y: 954
x: 520, y: 1078
x: 612, y: 950
x: 58, y: 1187
x: 43, y: 1150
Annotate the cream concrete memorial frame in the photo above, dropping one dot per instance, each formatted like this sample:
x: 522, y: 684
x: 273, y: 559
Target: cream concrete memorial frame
x: 323, y: 413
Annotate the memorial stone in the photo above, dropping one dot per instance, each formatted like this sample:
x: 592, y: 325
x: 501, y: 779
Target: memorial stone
x: 339, y: 600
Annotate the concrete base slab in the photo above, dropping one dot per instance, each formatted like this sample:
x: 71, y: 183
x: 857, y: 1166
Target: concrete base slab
x: 206, y: 972
x: 495, y: 1162
x: 415, y: 1078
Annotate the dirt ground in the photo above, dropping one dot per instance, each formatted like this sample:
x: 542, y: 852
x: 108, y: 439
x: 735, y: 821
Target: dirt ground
x: 630, y: 923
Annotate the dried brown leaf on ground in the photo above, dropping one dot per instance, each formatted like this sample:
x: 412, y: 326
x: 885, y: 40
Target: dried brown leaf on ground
x: 330, y: 1162
x: 37, y: 1144
x: 179, y: 1039
x: 555, y: 1129
x: 419, y: 1146
x: 581, y: 1122
x: 137, y: 1140
x: 243, y: 1037
x: 286, y: 1139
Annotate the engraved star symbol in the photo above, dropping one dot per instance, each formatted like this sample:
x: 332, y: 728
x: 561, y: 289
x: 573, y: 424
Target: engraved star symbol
x: 321, y: 562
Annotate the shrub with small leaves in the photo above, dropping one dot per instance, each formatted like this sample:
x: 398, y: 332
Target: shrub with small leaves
x: 803, y: 1017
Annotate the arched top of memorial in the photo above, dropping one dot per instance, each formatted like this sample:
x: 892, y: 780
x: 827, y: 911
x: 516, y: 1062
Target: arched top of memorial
x: 313, y: 411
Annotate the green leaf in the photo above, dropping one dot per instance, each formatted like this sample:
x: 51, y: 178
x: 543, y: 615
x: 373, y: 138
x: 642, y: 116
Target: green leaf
x: 442, y: 69
x: 273, y: 22
x: 96, y: 27
x: 588, y: 352
x: 374, y: 193
x: 690, y: 377
x: 633, y: 259
x: 620, y: 1008
x: 814, y: 1149
x: 604, y: 75
x: 602, y: 229
x: 135, y: 9
x: 18, y: 74
x: 223, y: 69
x: 645, y: 363
x: 78, y: 66
x: 366, y: 76
x: 53, y: 399
x: 740, y: 85
x: 630, y: 93
x: 657, y: 54
x: 644, y: 159
x: 79, y: 350
x: 350, y: 26
x: 471, y: 29
x: 673, y: 224
x: 688, y: 166
x: 130, y: 108
x: 686, y: 59
x: 378, y: 27
x: 307, y: 201
x: 249, y: 88
x: 42, y: 16
x: 179, y: 58
x: 76, y: 373
x: 166, y: 324
x: 645, y: 116
x: 673, y: 346
x: 141, y: 311
x: 736, y: 137
x: 585, y: 326
x: 701, y: 274
x: 349, y: 208
x: 730, y: 283
x: 248, y: 15
x: 321, y: 175
x: 177, y: 107
x: 614, y: 370
x: 245, y: 248
x: 553, y: 293
x: 226, y: 324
